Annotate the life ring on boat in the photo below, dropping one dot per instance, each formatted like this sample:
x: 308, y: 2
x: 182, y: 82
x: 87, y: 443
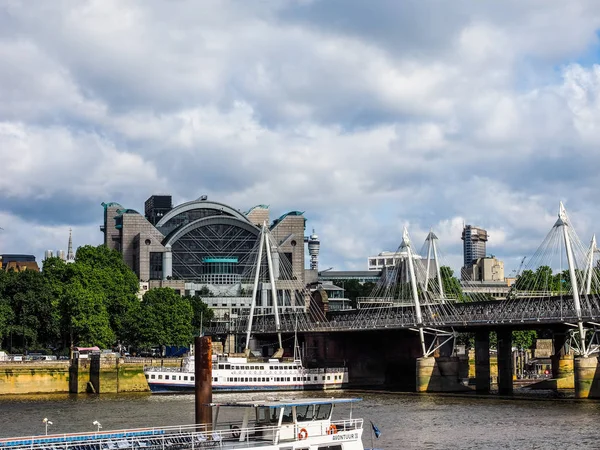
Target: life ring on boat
x: 332, y: 429
x: 303, y: 434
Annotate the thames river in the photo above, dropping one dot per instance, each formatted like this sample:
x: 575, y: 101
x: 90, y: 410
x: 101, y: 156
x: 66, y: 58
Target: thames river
x: 405, y: 420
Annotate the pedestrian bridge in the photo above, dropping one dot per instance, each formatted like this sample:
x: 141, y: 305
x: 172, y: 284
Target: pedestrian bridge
x: 558, y: 289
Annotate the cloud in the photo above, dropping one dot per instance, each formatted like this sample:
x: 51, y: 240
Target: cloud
x: 367, y: 118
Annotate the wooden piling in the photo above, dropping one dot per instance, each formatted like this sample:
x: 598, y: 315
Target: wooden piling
x: 203, y: 380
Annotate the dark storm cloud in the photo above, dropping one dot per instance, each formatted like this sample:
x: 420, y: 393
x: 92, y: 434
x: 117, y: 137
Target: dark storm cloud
x: 60, y: 209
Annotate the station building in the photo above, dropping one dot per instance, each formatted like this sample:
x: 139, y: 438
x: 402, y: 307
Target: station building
x: 203, y: 244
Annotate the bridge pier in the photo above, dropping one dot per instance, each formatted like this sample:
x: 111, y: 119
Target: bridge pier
x: 505, y: 360
x: 587, y: 377
x: 439, y: 374
x: 562, y: 363
x: 482, y: 361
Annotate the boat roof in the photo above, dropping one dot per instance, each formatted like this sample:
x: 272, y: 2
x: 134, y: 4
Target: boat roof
x: 288, y: 402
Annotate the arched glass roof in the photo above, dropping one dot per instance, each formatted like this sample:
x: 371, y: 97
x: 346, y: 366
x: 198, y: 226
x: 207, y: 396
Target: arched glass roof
x: 189, y: 212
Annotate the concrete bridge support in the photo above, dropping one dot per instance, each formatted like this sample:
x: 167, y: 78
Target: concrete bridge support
x: 587, y: 377
x: 482, y: 361
x: 439, y: 374
x: 505, y: 369
x: 562, y: 363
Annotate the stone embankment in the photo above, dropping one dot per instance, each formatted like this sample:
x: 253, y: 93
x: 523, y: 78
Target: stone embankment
x: 93, y: 375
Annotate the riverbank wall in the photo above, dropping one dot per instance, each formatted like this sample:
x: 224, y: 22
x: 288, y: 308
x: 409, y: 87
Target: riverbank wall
x: 94, y: 375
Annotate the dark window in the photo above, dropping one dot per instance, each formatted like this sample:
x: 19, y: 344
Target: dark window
x: 304, y: 413
x: 156, y: 267
x: 285, y: 263
x: 323, y: 411
x: 287, y: 415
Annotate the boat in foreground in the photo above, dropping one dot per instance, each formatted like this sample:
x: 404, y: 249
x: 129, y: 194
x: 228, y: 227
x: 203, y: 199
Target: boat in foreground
x: 303, y: 424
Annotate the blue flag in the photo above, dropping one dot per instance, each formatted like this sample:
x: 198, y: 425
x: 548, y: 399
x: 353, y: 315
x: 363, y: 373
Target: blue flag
x: 375, y: 430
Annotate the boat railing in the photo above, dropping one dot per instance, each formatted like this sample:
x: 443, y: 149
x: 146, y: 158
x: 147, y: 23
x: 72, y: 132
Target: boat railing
x: 171, y: 438
x: 165, y: 369
x: 326, y: 370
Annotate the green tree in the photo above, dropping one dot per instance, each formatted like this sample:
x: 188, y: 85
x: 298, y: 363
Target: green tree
x: 163, y: 318
x: 452, y: 288
x: 109, y: 274
x: 6, y: 318
x: 34, y: 320
x: 524, y: 339
x: 85, y: 318
x: 202, y: 314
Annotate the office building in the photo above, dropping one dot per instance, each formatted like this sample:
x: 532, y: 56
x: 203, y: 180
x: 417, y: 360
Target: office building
x: 474, y: 248
x: 474, y: 244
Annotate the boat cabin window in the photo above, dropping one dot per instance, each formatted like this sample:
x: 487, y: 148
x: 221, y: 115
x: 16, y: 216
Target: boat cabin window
x: 266, y: 414
x: 288, y: 417
x: 304, y: 413
x: 330, y: 447
x: 323, y: 412
x: 227, y: 366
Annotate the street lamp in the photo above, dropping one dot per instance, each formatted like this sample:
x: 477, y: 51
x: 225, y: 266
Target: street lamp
x: 95, y: 422
x: 46, y: 422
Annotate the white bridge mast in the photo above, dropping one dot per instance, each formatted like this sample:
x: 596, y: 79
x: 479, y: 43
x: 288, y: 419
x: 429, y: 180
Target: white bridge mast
x: 431, y: 245
x: 563, y: 221
x: 413, y: 284
x: 265, y: 244
x: 590, y: 268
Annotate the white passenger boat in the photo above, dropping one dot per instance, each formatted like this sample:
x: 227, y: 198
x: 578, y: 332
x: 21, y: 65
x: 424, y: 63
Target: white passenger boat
x: 239, y: 374
x: 304, y: 424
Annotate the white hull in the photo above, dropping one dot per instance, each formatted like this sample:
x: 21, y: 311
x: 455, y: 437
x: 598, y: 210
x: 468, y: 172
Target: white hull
x: 239, y: 375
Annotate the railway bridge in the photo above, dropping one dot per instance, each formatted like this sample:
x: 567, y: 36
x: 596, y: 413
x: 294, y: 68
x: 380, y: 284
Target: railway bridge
x: 405, y: 333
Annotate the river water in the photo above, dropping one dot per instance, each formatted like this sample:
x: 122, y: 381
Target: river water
x: 407, y: 421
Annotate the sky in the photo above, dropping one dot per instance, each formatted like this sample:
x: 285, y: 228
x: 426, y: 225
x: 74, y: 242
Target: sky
x: 367, y: 116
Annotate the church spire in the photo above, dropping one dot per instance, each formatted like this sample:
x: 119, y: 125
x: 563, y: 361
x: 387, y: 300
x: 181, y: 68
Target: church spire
x: 70, y: 255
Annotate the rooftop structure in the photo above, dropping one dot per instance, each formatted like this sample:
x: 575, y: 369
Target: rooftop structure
x: 363, y: 276
x: 314, y: 247
x: 156, y: 207
x: 70, y: 254
x: 18, y: 262
x: 386, y: 259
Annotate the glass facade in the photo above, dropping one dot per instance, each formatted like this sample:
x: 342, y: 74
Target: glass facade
x: 186, y: 217
x: 214, y: 254
x: 156, y: 265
